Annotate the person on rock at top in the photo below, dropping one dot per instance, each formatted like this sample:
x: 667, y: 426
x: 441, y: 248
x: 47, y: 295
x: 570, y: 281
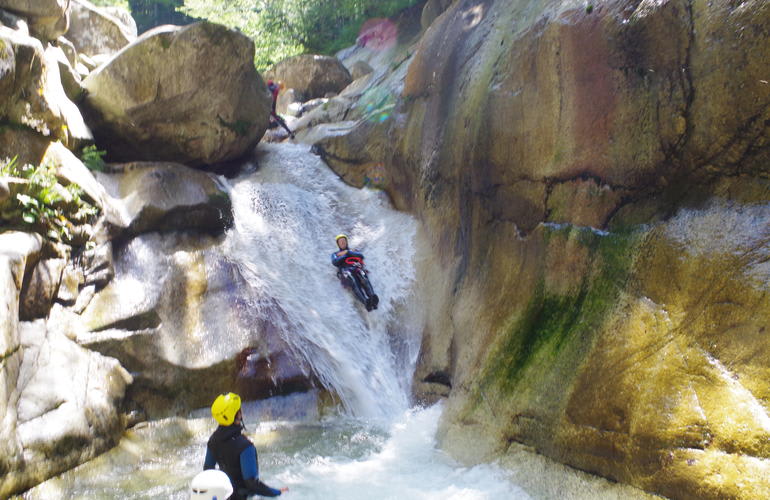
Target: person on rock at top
x: 275, y: 119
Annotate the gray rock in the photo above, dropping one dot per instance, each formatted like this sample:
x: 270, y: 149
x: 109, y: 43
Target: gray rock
x: 285, y: 99
x: 47, y: 19
x: 311, y: 76
x: 125, y: 17
x: 18, y: 252
x: 360, y: 69
x: 71, y: 170
x: 84, y: 299
x: 32, y: 94
x: 198, y: 99
x: 98, y: 266
x: 173, y: 293
x: 69, y: 50
x: 168, y: 196
x: 96, y: 31
x: 68, y: 409
x: 70, y: 78
x: 40, y: 289
x: 69, y: 289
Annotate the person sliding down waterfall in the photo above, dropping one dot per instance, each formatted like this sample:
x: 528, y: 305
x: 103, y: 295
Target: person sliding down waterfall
x: 353, y: 273
x: 276, y: 120
x: 233, y: 452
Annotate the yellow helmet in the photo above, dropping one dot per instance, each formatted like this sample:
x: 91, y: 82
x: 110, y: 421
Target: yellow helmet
x: 225, y: 408
x: 339, y: 236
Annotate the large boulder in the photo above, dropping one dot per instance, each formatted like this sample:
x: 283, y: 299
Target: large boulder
x: 311, y: 76
x: 48, y: 19
x: 32, y: 92
x: 198, y: 99
x: 168, y: 196
x: 94, y: 30
x: 69, y: 405
x: 173, y: 298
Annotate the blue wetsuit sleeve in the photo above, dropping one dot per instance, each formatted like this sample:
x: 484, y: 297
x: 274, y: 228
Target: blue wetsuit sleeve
x: 250, y: 471
x: 210, y: 462
x: 353, y: 253
x: 249, y: 467
x: 338, y: 260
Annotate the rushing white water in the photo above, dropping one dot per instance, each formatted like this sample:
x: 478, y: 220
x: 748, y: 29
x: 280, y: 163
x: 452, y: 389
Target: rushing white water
x: 287, y: 212
x: 286, y: 216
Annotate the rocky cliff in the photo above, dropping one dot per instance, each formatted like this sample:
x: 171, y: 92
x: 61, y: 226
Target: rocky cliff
x: 112, y: 277
x: 593, y: 182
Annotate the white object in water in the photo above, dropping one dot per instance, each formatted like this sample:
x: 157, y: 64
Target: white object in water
x: 211, y: 485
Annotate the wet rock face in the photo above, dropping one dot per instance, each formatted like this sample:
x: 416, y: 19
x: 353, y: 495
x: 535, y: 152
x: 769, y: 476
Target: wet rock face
x: 172, y: 293
x: 261, y: 377
x: 569, y: 164
x: 311, y: 76
x: 147, y: 115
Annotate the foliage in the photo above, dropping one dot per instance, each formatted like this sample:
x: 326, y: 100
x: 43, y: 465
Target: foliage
x: 283, y: 28
x: 93, y: 158
x: 38, y: 202
x: 112, y: 3
x: 151, y: 13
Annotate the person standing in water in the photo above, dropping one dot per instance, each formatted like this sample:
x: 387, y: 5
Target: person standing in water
x: 235, y: 455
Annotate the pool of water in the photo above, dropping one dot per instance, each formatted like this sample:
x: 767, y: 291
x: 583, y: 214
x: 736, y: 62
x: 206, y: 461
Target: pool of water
x: 334, y: 457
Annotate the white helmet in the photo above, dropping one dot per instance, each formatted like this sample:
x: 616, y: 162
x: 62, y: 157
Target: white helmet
x: 211, y: 485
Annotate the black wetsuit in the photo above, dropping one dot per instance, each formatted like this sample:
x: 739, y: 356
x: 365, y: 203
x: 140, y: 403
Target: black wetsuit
x: 357, y: 280
x: 237, y: 457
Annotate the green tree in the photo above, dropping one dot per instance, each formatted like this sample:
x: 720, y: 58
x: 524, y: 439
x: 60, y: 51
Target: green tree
x: 282, y: 28
x: 151, y: 13
x: 112, y: 3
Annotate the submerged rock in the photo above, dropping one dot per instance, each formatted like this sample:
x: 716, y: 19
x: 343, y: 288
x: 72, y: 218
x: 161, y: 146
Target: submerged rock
x: 311, y: 76
x: 198, y: 99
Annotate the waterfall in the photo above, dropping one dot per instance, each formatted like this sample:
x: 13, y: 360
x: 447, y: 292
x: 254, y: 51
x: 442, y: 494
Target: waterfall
x: 287, y: 213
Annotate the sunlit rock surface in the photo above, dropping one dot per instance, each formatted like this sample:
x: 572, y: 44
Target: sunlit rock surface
x: 311, y: 76
x: 594, y: 181
x: 167, y: 196
x: 47, y: 19
x: 94, y: 30
x: 32, y: 92
x: 198, y: 99
x: 60, y: 402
